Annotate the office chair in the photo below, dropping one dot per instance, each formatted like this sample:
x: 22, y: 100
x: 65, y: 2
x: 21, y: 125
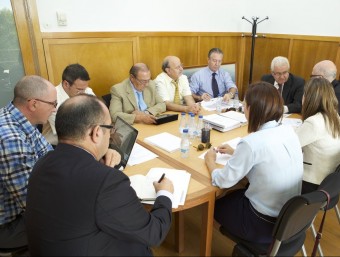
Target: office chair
x: 107, y: 99
x: 289, y: 232
x: 331, y: 184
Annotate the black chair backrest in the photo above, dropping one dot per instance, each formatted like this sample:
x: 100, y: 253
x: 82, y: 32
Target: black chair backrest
x: 331, y: 184
x: 297, y: 215
x: 107, y: 99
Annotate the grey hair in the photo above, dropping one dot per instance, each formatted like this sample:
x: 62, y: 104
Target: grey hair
x: 279, y: 61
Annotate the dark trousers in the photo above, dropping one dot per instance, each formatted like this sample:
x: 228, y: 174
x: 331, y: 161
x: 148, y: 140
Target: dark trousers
x: 13, y: 234
x: 235, y: 213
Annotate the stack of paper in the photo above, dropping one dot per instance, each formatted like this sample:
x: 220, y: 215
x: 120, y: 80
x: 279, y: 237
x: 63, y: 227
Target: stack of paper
x: 221, y: 123
x: 239, y: 116
x: 143, y: 185
x: 165, y: 141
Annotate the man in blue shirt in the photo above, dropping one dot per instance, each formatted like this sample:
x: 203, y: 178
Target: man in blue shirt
x: 211, y: 81
x: 21, y: 145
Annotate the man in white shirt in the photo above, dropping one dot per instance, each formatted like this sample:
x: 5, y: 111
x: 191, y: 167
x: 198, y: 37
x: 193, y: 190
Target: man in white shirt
x: 174, y: 88
x: 75, y: 80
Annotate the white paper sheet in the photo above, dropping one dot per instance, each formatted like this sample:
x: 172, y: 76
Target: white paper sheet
x: 223, y: 158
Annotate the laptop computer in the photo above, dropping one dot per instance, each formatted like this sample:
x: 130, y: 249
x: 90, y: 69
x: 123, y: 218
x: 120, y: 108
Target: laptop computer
x: 123, y: 140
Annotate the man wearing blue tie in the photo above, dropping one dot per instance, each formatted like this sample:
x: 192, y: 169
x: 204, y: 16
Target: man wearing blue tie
x: 135, y: 99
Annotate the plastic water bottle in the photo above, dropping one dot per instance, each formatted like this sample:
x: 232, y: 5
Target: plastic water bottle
x: 185, y: 144
x: 182, y: 122
x: 199, y: 127
x: 236, y: 102
x: 192, y: 126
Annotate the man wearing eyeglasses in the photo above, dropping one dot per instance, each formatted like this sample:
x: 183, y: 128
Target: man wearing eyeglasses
x: 21, y: 145
x: 327, y: 69
x: 174, y: 88
x: 75, y: 80
x: 135, y: 99
x: 289, y: 85
x: 78, y: 206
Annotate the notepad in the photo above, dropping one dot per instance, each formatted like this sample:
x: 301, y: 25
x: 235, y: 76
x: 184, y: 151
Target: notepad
x: 143, y: 185
x: 165, y: 141
x: 221, y: 123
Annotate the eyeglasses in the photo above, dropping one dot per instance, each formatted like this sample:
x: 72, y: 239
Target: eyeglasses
x: 316, y: 76
x: 178, y: 67
x: 201, y: 147
x: 54, y: 104
x: 112, y: 128
x: 143, y: 82
x: 279, y: 74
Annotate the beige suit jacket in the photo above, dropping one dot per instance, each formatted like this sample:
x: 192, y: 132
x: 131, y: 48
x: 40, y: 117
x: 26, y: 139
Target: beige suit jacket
x: 123, y: 101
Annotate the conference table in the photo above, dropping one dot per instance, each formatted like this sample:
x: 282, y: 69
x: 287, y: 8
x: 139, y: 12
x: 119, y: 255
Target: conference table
x: 201, y: 192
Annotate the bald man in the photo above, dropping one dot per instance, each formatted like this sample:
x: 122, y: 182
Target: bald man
x: 174, y: 88
x: 327, y: 69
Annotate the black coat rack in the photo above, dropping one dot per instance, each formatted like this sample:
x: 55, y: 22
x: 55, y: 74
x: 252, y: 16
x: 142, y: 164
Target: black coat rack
x: 253, y: 35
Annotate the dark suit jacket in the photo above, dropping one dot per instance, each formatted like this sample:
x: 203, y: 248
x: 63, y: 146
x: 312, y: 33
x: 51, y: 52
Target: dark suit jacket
x: 292, y: 91
x: 123, y: 101
x: 78, y: 206
x: 336, y: 85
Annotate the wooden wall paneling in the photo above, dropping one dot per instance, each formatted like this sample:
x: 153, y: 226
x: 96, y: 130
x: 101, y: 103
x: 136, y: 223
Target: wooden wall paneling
x: 107, y: 60
x: 230, y: 45
x: 154, y: 49
x: 306, y: 53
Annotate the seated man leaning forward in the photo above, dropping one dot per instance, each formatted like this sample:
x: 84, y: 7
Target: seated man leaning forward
x: 212, y: 81
x: 135, y: 99
x: 174, y: 88
x: 78, y: 205
x: 75, y: 80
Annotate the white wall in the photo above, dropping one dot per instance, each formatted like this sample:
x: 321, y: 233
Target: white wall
x: 302, y: 17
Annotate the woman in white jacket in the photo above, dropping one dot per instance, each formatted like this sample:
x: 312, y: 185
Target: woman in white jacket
x: 319, y: 134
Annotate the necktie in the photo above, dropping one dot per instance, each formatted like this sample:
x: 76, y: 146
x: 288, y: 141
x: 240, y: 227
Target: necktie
x: 177, y: 99
x: 141, y: 104
x: 280, y: 88
x: 214, y: 85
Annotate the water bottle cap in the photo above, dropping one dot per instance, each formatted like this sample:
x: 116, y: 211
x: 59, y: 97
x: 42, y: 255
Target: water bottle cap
x: 185, y: 130
x: 192, y: 114
x: 200, y: 116
x: 183, y: 113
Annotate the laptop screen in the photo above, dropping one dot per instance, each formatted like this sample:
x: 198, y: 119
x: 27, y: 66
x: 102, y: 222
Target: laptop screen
x: 123, y: 139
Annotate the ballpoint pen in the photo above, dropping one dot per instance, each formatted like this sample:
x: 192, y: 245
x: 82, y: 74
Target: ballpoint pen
x: 161, y: 178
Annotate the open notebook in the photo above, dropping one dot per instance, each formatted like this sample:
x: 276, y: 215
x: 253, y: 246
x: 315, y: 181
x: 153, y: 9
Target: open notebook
x: 143, y: 185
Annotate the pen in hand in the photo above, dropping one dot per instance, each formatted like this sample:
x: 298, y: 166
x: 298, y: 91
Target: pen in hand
x: 161, y: 178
